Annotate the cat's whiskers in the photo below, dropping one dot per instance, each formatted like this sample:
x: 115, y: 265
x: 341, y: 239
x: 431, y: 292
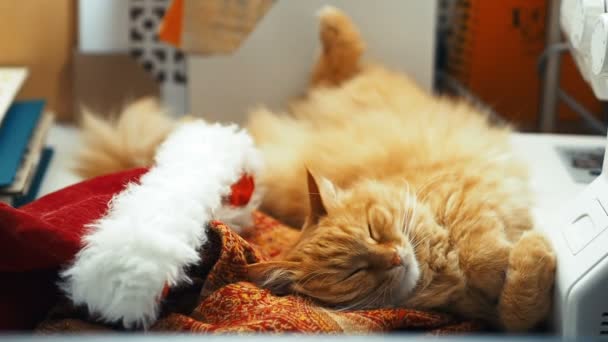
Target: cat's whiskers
x: 428, y: 184
x: 390, y: 290
x: 319, y: 273
x: 382, y: 290
x: 438, y: 178
x: 324, y: 283
x: 404, y: 211
x: 384, y: 293
x: 312, y: 276
x: 421, y: 237
x: 407, y: 198
x: 363, y: 302
x: 350, y: 306
x: 370, y: 299
x: 416, y: 240
x: 412, y: 220
x: 409, y: 228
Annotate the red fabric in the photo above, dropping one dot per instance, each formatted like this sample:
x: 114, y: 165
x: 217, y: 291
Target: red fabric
x: 38, y: 238
x: 220, y: 299
x: 241, y: 191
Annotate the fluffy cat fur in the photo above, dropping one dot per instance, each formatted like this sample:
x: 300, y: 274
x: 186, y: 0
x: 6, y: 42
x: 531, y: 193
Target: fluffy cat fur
x: 127, y: 141
x: 426, y: 207
x: 413, y: 200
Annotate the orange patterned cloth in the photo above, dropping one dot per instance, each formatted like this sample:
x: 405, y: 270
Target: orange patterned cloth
x: 221, y: 300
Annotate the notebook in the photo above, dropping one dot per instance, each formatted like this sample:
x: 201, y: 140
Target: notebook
x: 11, y: 80
x: 26, y: 170
x: 16, y: 131
x: 43, y: 165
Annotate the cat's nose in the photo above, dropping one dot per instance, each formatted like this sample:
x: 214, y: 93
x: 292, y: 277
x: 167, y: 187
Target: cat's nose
x: 396, y: 259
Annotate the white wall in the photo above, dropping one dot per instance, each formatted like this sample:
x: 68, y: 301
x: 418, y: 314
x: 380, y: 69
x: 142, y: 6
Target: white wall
x: 103, y: 26
x: 274, y: 63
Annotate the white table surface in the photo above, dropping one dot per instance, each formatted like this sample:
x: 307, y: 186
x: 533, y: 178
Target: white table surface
x: 66, y: 142
x: 552, y: 185
x: 550, y: 180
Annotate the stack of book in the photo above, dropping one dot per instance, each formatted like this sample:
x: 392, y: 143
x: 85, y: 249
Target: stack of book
x: 23, y: 129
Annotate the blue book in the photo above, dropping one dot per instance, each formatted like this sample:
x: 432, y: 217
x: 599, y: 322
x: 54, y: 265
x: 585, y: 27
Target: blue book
x: 16, y: 131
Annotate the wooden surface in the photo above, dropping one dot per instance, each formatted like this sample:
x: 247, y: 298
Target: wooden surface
x: 104, y: 83
x: 41, y: 34
x: 219, y: 26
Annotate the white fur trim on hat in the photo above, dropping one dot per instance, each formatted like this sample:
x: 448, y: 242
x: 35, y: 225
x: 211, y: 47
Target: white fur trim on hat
x: 154, y: 229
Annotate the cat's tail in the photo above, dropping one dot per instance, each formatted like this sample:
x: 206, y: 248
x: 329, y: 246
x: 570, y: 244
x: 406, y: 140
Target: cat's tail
x: 342, y: 48
x: 129, y: 141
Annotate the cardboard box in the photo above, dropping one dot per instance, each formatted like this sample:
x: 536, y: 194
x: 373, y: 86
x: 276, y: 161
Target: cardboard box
x: 104, y: 83
x: 220, y: 26
x: 41, y: 35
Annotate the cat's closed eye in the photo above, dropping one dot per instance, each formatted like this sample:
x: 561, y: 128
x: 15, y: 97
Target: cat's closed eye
x: 353, y: 273
x: 371, y: 233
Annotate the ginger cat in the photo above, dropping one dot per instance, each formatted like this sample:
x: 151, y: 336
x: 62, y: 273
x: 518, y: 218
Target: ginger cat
x: 416, y: 201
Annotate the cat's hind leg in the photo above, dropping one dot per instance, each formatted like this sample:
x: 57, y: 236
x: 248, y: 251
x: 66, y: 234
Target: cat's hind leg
x: 342, y: 47
x: 527, y: 293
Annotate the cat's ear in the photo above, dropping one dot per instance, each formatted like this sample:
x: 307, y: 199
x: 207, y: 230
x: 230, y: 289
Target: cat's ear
x: 321, y: 193
x: 277, y: 276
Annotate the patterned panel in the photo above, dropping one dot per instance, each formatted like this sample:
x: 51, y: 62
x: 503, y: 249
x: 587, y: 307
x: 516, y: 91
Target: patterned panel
x: 166, y: 63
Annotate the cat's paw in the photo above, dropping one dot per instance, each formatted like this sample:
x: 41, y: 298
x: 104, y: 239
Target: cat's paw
x: 534, y: 254
x: 526, y: 297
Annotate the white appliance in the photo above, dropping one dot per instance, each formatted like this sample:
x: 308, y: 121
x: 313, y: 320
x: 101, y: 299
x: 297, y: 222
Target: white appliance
x: 579, y: 230
x: 585, y: 25
x: 579, y: 236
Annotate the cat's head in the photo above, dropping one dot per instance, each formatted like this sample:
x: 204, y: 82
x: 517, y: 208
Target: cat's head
x: 354, y: 250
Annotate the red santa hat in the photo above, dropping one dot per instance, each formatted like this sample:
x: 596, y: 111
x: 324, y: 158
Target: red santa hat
x: 134, y: 246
